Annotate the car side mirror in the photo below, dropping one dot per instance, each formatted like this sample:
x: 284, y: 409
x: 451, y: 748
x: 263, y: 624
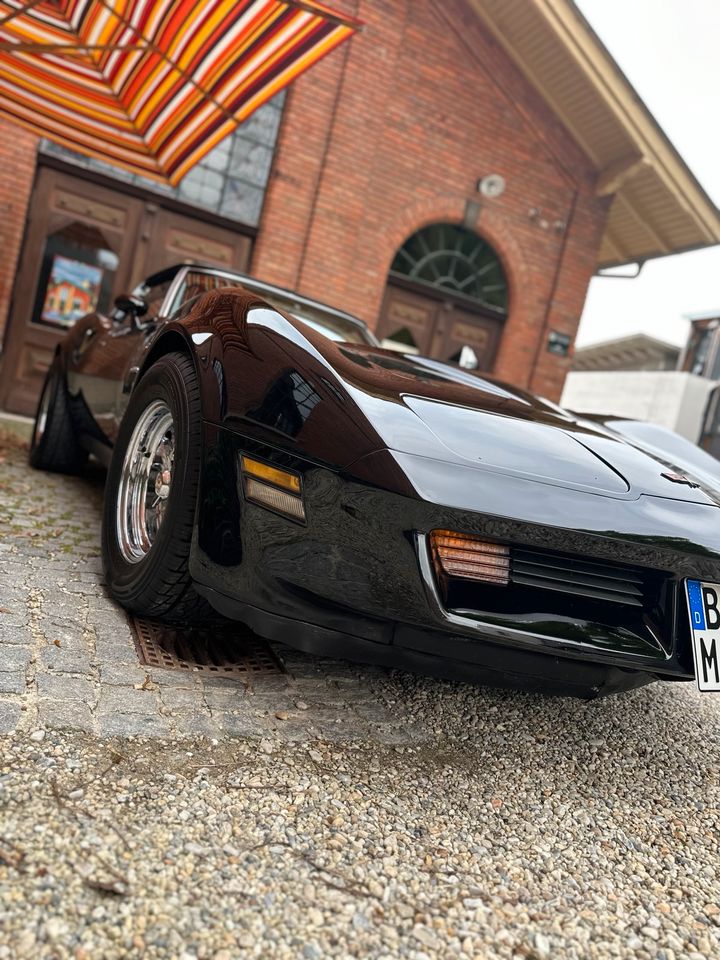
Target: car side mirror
x: 129, y: 304
x: 468, y: 359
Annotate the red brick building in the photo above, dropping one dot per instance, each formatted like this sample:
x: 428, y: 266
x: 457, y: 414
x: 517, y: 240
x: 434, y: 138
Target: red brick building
x: 454, y: 175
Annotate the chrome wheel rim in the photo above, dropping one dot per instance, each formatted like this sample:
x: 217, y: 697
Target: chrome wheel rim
x: 145, y: 481
x: 42, y: 414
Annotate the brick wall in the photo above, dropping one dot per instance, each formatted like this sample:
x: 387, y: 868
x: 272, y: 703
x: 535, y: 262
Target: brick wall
x: 391, y: 132
x: 17, y: 171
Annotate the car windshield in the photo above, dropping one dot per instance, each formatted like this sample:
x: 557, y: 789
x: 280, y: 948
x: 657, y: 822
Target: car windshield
x: 668, y: 445
x: 334, y: 326
x: 331, y: 325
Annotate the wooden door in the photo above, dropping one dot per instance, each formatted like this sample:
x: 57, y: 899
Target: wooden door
x: 437, y: 325
x: 75, y: 259
x: 85, y: 243
x: 456, y: 328
x: 408, y: 318
x: 178, y: 238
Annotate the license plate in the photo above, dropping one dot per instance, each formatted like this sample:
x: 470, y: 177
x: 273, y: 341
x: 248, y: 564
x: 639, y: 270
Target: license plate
x: 704, y: 608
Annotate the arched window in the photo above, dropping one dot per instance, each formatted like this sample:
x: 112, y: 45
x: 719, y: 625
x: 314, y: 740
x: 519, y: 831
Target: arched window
x: 456, y: 259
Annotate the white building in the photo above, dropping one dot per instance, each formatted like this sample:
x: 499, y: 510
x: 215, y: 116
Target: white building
x: 671, y: 398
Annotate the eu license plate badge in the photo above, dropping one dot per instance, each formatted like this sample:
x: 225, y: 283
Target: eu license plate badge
x: 704, y: 609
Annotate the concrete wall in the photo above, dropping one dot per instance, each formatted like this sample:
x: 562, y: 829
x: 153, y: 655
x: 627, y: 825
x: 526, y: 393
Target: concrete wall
x: 670, y: 398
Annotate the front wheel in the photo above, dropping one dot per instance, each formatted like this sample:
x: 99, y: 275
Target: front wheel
x: 54, y: 444
x: 150, y: 495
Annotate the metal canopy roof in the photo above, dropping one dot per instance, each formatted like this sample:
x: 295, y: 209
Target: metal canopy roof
x: 659, y: 207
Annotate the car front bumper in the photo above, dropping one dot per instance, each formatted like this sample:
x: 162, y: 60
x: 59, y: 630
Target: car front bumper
x: 357, y: 581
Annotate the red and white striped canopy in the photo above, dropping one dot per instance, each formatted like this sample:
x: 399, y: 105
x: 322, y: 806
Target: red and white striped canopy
x: 153, y: 85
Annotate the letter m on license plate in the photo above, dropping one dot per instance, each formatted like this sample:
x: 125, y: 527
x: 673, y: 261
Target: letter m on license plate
x: 704, y: 608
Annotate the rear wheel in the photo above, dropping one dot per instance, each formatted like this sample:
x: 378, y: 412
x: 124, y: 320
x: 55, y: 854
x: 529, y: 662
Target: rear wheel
x: 54, y: 444
x: 150, y: 496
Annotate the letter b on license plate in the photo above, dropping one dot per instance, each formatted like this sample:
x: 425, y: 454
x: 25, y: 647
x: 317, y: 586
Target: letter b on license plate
x: 704, y: 608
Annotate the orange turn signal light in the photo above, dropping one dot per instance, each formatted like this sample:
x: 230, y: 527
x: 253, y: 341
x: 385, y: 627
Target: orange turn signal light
x: 263, y: 471
x: 467, y: 557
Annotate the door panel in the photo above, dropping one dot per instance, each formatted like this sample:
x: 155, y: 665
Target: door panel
x: 85, y: 243
x: 75, y: 259
x: 176, y: 238
x: 407, y: 318
x: 463, y: 329
x: 437, y: 326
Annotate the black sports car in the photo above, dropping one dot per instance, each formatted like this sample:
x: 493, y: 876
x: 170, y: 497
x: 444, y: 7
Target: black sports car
x: 269, y: 461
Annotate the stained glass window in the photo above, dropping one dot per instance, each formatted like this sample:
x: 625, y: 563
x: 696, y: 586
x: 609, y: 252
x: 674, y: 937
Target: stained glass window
x: 232, y: 178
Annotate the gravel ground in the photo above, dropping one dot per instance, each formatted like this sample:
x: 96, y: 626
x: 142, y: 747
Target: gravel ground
x: 523, y: 828
x: 476, y: 823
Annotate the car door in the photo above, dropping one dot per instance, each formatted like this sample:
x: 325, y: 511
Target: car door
x: 104, y: 350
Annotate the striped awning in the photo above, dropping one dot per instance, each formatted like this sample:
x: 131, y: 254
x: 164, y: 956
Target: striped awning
x: 153, y: 85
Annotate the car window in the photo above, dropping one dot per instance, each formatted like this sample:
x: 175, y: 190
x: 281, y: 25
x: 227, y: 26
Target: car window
x: 154, y: 296
x: 197, y: 283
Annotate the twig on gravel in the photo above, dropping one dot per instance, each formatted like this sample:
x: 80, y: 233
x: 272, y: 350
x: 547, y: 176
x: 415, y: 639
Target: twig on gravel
x: 78, y: 812
x: 83, y: 785
x: 276, y: 787
x: 344, y: 886
x: 119, y: 886
x: 105, y: 823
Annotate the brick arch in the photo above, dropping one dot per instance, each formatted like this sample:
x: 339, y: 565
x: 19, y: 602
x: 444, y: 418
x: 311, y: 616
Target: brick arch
x: 492, y: 226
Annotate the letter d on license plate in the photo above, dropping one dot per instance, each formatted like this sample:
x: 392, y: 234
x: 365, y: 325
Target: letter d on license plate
x: 704, y: 608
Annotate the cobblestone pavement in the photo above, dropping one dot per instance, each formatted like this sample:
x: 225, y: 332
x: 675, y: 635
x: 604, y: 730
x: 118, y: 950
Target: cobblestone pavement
x: 67, y: 656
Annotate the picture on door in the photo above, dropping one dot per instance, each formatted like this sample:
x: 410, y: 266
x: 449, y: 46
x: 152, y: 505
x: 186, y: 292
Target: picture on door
x: 72, y: 291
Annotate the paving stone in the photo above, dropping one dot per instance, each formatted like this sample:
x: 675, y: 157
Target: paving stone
x: 180, y: 700
x: 131, y: 725
x: 195, y: 725
x: 128, y: 700
x: 65, y: 715
x: 120, y: 652
x: 240, y: 725
x: 14, y: 658
x: 121, y: 674
x: 70, y: 634
x: 177, y: 679
x: 9, y: 715
x: 63, y: 687
x: 82, y: 587
x: 12, y: 682
x: 63, y: 660
x: 225, y: 699
x: 110, y: 627
x: 14, y: 629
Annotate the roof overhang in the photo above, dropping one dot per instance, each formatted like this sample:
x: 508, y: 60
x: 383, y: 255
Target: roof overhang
x: 657, y: 206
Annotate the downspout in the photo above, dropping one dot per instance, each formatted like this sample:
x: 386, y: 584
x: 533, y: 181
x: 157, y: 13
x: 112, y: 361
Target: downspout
x: 553, y: 290
x: 326, y: 150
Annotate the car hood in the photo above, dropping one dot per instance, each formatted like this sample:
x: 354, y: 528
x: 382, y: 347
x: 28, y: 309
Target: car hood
x: 424, y: 407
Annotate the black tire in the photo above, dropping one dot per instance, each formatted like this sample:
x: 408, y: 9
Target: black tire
x: 159, y: 584
x: 54, y: 444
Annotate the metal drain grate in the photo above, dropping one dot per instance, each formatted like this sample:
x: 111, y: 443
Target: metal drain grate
x: 227, y: 650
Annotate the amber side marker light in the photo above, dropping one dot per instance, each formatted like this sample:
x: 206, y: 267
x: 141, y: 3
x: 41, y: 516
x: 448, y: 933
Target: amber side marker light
x: 263, y: 471
x: 273, y: 488
x: 467, y: 557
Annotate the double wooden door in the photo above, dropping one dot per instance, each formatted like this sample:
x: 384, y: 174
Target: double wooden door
x: 85, y: 243
x: 437, y: 326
